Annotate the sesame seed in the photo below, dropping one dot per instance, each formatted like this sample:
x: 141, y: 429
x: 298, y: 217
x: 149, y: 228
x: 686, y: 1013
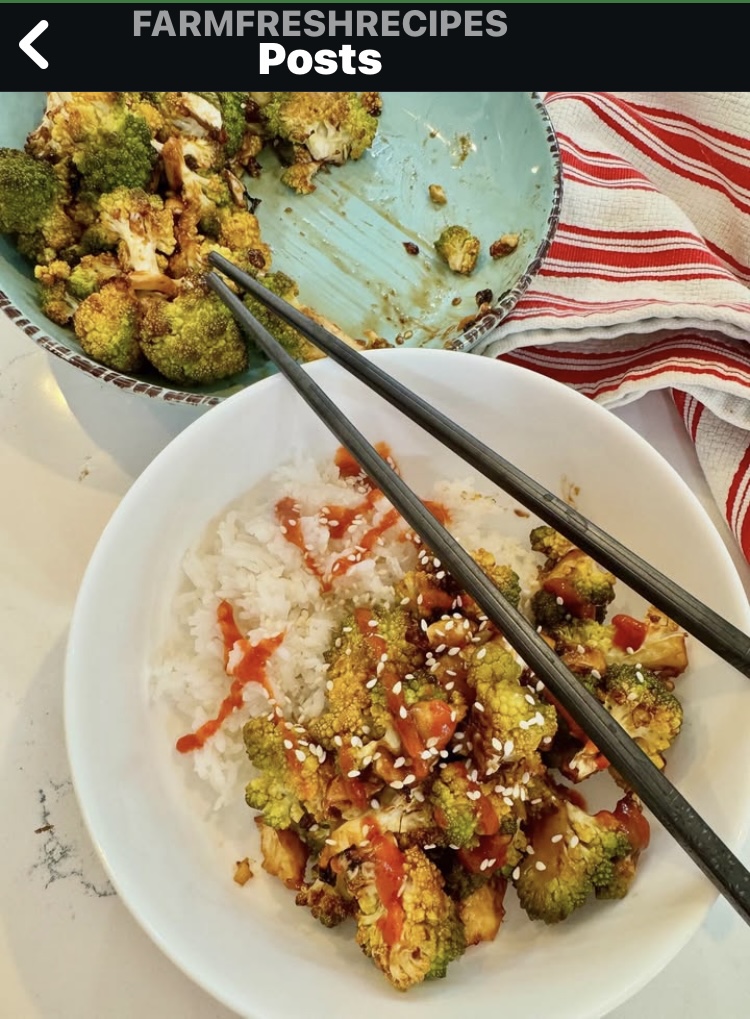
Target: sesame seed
x: 409, y: 675
x: 396, y: 785
x: 534, y: 802
x: 288, y: 744
x: 497, y: 744
x: 299, y: 754
x: 372, y: 623
x: 292, y: 523
x: 404, y: 601
x: 423, y: 625
x: 559, y: 600
x: 529, y: 699
x: 440, y: 575
x: 283, y: 529
x: 366, y: 761
x: 484, y: 864
x: 375, y: 804
x: 516, y: 874
x: 540, y: 866
x: 574, y: 841
x: 399, y: 762
x: 453, y: 650
x: 443, y: 753
x: 430, y: 845
x: 330, y: 842
x: 525, y: 778
x: 473, y: 794
x: 436, y: 563
x: 491, y: 862
x: 409, y: 779
x: 539, y: 687
x: 439, y: 649
x: 509, y: 747
x: 418, y: 795
x: 354, y: 773
x: 479, y: 706
x: 507, y: 801
x: 425, y: 755
x: 530, y: 849
x: 595, y: 674
x: 639, y: 676
x: 356, y: 741
x: 556, y: 838
x: 450, y: 686
x: 338, y: 741
x: 547, y: 739
x: 397, y: 687
x: 481, y: 653
x: 451, y: 846
x: 539, y: 718
x: 629, y: 651
x: 402, y: 712
x: 371, y: 683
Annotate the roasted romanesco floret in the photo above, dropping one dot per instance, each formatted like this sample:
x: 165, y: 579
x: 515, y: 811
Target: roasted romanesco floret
x: 192, y: 338
x: 504, y: 577
x: 459, y: 249
x: 571, y: 583
x: 511, y: 722
x: 415, y: 932
x: 656, y: 643
x: 288, y: 787
x: 31, y: 207
x: 107, y: 325
x: 459, y: 806
x: 577, y: 855
x: 644, y: 707
x: 311, y: 129
x: 98, y: 139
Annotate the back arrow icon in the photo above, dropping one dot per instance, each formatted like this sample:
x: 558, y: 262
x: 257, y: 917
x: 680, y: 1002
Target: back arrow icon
x: 26, y: 47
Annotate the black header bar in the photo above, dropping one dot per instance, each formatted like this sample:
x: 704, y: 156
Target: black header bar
x: 371, y: 46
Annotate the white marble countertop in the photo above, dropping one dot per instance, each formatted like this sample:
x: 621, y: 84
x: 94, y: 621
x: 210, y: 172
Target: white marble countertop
x: 69, y: 449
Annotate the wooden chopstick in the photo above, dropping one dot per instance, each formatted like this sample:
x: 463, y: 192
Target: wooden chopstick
x: 712, y: 629
x: 667, y: 804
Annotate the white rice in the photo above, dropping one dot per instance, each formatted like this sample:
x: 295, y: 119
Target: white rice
x: 245, y: 559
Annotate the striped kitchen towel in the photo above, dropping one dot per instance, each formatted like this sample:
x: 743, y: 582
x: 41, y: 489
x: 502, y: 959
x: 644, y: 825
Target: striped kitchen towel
x: 647, y: 282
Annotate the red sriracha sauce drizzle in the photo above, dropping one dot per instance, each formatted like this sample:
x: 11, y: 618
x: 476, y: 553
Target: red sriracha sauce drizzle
x: 629, y: 633
x: 249, y: 669
x: 289, y: 520
x: 339, y: 519
x: 389, y: 877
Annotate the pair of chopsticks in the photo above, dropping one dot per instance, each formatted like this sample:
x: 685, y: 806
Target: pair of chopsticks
x: 667, y: 804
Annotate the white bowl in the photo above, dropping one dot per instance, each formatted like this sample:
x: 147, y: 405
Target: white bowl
x: 171, y: 860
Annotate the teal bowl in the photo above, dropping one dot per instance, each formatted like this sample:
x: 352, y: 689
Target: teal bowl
x: 495, y: 155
